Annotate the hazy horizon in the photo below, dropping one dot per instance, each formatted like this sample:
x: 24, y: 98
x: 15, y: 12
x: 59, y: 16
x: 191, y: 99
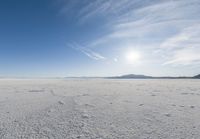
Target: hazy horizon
x: 62, y: 38
x: 89, y: 76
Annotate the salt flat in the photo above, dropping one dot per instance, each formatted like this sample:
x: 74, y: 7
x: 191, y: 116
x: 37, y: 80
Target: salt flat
x: 99, y: 109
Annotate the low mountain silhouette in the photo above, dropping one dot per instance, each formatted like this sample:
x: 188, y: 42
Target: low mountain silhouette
x: 135, y: 76
x: 197, y: 76
x: 132, y: 76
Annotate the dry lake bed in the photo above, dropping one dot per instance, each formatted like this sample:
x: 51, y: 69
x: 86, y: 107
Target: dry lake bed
x: 99, y: 109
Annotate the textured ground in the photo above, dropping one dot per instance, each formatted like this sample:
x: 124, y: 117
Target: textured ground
x: 99, y: 109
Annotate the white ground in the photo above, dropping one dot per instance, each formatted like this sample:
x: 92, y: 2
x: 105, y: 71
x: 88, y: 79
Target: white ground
x: 99, y: 109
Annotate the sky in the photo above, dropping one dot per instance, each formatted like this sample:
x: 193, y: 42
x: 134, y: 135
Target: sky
x: 60, y: 38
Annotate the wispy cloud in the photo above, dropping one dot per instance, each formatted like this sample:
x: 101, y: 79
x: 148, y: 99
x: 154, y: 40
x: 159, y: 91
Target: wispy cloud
x: 168, y: 26
x: 186, y: 56
x: 172, y: 23
x: 146, y: 19
x: 88, y: 52
x: 186, y: 38
x: 184, y: 47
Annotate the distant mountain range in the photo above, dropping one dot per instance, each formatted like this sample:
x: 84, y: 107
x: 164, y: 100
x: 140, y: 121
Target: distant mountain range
x: 134, y: 76
x: 197, y: 76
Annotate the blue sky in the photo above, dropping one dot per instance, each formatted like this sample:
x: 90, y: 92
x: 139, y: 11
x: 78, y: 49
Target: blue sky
x: 46, y: 38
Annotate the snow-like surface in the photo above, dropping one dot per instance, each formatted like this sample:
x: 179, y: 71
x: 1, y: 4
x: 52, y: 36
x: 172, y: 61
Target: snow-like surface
x: 99, y: 109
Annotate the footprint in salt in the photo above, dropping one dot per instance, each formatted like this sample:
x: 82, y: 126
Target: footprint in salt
x: 168, y: 115
x: 192, y: 107
x: 85, y: 95
x: 141, y: 104
x: 84, y: 114
x: 61, y: 102
x: 88, y: 105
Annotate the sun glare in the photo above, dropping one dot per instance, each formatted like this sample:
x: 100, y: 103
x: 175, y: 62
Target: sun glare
x: 133, y: 57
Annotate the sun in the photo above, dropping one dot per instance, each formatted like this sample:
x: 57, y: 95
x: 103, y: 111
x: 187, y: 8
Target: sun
x: 133, y: 57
